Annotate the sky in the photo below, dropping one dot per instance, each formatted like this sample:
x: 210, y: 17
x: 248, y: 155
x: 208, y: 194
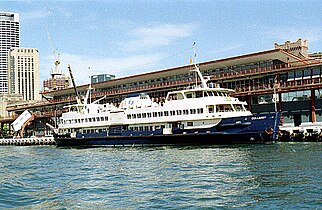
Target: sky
x: 132, y: 37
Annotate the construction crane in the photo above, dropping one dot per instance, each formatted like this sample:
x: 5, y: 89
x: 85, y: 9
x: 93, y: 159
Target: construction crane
x: 56, y: 70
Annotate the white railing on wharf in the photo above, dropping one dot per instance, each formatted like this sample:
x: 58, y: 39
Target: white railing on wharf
x: 27, y: 141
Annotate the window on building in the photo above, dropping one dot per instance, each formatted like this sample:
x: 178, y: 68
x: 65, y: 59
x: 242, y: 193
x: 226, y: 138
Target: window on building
x: 296, y: 96
x: 290, y: 76
x: 299, y: 74
x: 316, y: 72
x: 307, y: 73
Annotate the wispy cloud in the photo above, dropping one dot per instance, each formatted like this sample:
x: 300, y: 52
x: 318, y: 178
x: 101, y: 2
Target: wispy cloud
x: 292, y: 33
x: 143, y: 61
x: 157, y: 35
x: 117, y: 24
x: 33, y: 15
x: 227, y: 48
x: 83, y: 66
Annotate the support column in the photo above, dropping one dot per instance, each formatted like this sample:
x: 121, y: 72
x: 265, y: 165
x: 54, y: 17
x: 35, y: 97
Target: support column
x: 33, y: 123
x: 312, y: 103
x: 279, y: 106
x: 249, y: 102
x: 9, y: 128
x: 1, y: 129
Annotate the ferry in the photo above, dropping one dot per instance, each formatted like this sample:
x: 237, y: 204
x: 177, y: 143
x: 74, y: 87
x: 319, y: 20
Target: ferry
x: 203, y: 114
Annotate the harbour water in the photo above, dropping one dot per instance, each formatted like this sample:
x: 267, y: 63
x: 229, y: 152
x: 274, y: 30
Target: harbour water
x: 276, y: 176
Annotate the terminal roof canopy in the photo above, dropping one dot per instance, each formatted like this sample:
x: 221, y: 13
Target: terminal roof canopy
x: 281, y: 55
x: 275, y: 54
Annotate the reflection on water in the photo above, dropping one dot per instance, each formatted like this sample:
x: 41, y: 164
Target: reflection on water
x: 281, y: 175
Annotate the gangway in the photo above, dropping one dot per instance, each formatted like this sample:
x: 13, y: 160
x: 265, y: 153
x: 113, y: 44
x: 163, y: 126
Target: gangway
x: 22, y: 122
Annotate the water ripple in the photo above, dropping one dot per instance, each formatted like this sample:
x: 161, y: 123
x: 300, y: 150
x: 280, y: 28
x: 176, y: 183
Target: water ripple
x: 239, y: 176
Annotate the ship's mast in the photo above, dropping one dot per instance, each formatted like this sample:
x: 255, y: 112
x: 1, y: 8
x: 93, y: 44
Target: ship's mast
x: 203, y: 81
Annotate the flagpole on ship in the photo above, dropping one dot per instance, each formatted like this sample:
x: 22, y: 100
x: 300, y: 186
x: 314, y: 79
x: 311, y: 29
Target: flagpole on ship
x: 202, y: 80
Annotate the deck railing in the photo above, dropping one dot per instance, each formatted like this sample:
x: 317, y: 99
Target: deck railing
x: 301, y: 84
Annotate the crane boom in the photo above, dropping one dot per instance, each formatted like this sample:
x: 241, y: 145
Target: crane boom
x: 56, y: 56
x: 74, y: 84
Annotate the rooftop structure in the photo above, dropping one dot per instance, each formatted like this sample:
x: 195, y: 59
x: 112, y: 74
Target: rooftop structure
x: 58, y: 80
x: 101, y: 78
x: 298, y: 48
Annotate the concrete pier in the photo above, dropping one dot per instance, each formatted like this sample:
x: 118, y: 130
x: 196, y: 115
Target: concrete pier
x: 27, y: 141
x: 308, y: 132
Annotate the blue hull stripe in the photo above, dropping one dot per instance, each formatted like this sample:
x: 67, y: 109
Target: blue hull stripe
x: 249, y: 129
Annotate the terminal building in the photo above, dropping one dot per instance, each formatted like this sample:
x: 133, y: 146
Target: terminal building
x: 287, y: 78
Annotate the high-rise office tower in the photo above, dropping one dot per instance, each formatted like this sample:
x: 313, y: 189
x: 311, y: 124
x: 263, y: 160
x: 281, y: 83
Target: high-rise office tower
x: 9, y: 37
x: 23, y: 72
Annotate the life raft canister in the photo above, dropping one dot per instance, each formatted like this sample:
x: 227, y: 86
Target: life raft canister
x: 269, y: 131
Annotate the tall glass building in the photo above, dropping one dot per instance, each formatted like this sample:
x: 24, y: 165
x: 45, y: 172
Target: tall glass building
x: 9, y: 37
